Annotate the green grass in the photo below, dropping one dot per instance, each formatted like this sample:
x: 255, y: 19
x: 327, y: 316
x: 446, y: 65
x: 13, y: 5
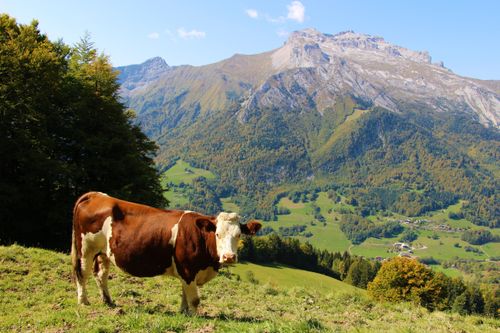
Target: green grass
x: 182, y: 172
x: 37, y: 295
x: 443, y: 248
x: 375, y: 247
x: 328, y: 236
x: 229, y: 206
x: 451, y: 272
x: 176, y: 198
x: 281, y: 276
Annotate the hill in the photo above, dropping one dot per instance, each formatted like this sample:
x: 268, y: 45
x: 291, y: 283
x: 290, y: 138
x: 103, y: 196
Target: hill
x: 284, y: 277
x: 37, y: 295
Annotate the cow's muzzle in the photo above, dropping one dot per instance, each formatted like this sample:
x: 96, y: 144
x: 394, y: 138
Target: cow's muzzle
x: 229, y: 258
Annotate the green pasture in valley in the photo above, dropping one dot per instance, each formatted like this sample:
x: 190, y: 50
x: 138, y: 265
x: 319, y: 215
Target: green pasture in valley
x: 183, y: 172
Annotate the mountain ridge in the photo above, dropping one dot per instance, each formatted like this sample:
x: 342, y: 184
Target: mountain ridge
x: 367, y: 66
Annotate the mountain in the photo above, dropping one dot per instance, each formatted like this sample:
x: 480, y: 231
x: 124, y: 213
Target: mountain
x: 317, y: 67
x: 348, y: 110
x: 135, y: 76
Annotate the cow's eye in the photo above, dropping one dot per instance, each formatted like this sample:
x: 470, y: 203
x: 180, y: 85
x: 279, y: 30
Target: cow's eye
x: 218, y: 235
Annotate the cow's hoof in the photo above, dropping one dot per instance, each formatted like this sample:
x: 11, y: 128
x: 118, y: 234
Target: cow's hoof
x: 110, y: 304
x: 189, y: 312
x: 83, y: 302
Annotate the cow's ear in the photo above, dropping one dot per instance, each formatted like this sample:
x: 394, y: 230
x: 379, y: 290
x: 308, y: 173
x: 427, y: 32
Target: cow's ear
x: 206, y: 225
x: 251, y: 227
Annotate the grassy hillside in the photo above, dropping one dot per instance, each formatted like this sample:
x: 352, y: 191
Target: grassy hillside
x: 37, y: 295
x: 279, y: 276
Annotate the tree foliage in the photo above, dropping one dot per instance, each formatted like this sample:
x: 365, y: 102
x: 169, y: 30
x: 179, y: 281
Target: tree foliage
x: 63, y: 132
x: 403, y: 279
x: 479, y: 237
x: 357, y: 229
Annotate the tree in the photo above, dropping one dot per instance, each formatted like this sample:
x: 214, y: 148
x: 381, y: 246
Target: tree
x: 408, y: 236
x: 469, y: 302
x: 404, y: 279
x: 63, y: 132
x: 360, y: 273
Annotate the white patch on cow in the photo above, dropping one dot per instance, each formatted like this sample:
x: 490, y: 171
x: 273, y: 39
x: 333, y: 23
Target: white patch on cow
x: 172, y: 269
x: 175, y: 229
x: 205, y: 275
x: 227, y: 235
x: 102, y: 193
x: 94, y: 243
x: 173, y: 237
x: 107, y: 230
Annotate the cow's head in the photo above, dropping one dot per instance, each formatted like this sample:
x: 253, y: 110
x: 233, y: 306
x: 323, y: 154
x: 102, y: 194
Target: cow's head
x: 228, y: 233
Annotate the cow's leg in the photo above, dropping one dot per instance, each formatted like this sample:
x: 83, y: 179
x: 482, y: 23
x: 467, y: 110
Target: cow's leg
x: 101, y: 272
x: 81, y: 280
x: 190, y: 298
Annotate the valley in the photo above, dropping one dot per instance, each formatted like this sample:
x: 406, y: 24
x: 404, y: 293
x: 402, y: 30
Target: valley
x: 315, y: 217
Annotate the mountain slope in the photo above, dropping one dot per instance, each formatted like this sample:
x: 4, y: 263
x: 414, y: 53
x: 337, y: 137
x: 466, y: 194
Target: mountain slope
x: 346, y: 109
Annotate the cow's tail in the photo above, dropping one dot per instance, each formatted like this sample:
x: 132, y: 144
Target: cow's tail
x: 75, y: 255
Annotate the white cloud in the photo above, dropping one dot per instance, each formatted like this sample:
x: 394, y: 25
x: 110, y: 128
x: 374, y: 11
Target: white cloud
x: 190, y: 34
x: 296, y: 11
x: 252, y: 13
x: 171, y: 35
x: 154, y: 35
x: 282, y: 33
x: 276, y: 20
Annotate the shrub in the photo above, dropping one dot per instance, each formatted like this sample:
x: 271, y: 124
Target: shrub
x: 404, y: 279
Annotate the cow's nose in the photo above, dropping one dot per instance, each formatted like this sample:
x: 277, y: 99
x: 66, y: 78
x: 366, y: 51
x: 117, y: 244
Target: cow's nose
x: 229, y: 258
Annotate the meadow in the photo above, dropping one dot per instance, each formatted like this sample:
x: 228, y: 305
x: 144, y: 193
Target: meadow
x: 37, y: 295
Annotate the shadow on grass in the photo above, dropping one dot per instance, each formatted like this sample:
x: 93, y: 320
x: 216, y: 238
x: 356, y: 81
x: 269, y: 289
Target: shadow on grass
x: 230, y: 317
x: 272, y: 265
x: 162, y: 310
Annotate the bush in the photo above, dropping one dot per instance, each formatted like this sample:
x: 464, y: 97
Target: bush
x: 404, y: 279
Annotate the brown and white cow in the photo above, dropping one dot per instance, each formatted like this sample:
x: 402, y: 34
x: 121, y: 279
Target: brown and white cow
x: 145, y: 241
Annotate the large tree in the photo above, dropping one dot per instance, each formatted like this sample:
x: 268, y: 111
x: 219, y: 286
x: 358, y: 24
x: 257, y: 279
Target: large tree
x: 63, y: 131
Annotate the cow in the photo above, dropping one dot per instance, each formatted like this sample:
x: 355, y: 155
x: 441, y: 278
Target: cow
x: 144, y: 241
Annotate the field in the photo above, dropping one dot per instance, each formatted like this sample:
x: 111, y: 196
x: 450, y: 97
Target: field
x: 37, y: 295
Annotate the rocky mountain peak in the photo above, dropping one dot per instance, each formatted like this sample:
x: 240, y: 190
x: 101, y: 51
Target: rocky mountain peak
x: 134, y: 76
x: 348, y: 42
x: 156, y: 63
x: 311, y: 71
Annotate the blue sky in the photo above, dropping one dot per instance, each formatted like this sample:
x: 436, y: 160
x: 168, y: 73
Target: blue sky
x: 463, y: 34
